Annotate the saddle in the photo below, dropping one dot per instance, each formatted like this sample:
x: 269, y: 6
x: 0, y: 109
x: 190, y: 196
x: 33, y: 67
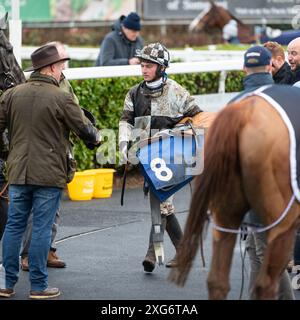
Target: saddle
x: 203, y: 119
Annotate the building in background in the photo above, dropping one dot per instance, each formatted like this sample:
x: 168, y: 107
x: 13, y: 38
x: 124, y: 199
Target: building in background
x: 85, y: 22
x: 252, y: 12
x: 72, y: 10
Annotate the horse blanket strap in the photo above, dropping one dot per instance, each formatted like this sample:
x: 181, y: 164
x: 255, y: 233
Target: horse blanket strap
x: 249, y: 229
x: 170, y: 159
x: 285, y: 100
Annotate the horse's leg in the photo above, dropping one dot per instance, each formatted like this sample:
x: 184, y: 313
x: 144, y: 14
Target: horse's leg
x: 229, y: 216
x: 218, y: 278
x: 260, y: 279
x: 271, y: 199
x: 279, y: 245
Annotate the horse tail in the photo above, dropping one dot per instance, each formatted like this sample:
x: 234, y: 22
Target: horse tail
x: 221, y: 167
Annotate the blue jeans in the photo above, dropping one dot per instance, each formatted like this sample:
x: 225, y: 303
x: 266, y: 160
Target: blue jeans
x: 43, y: 202
x: 27, y: 235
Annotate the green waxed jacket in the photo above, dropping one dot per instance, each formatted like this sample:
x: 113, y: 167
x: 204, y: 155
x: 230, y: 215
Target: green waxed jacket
x: 39, y: 116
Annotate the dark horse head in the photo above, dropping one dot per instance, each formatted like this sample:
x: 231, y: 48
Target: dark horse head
x: 10, y: 72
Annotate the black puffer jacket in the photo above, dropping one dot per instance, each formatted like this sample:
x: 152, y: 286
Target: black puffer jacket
x: 284, y: 75
x: 296, y: 75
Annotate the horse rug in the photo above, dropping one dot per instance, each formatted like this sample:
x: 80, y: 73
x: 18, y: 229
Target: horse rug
x: 285, y: 100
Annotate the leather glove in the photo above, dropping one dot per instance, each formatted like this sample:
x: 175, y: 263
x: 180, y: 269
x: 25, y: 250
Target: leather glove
x: 91, y: 145
x: 89, y: 115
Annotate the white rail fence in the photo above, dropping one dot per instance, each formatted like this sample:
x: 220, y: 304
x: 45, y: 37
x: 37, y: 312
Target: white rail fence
x: 187, y: 54
x: 175, y: 68
x: 212, y: 63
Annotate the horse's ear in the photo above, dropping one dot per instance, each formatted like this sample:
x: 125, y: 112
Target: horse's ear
x: 3, y: 21
x: 212, y: 3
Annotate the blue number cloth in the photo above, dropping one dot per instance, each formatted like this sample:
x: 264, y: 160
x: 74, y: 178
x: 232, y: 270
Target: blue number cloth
x: 169, y: 161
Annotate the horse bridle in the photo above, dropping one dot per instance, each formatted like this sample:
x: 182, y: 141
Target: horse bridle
x: 9, y: 81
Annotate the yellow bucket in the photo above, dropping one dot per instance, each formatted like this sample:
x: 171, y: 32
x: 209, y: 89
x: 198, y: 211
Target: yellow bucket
x: 82, y: 186
x: 103, y: 182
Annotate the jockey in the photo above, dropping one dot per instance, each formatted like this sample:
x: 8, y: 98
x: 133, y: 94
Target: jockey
x: 155, y: 103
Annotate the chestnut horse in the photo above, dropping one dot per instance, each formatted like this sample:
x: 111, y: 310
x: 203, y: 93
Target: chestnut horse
x: 216, y: 17
x: 246, y: 166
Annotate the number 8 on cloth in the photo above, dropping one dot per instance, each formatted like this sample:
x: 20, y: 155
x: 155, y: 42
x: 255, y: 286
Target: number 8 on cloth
x: 162, y: 172
x: 168, y: 162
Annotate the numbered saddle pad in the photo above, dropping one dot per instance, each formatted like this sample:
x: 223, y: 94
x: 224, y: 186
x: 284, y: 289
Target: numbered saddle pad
x: 169, y: 163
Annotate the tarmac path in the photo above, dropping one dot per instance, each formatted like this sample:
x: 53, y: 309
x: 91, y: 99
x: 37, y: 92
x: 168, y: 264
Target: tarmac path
x: 104, y: 244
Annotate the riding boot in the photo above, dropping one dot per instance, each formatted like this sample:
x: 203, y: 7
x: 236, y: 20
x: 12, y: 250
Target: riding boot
x: 150, y: 259
x: 175, y: 233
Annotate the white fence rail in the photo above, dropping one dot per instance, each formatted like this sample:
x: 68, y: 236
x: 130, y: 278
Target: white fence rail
x: 175, y: 68
x: 195, y: 61
x: 187, y: 54
x: 208, y: 102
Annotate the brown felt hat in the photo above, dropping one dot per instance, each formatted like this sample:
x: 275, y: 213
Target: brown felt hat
x: 45, y: 56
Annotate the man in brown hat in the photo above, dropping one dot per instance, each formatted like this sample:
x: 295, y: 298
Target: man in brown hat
x: 39, y: 117
x: 53, y: 260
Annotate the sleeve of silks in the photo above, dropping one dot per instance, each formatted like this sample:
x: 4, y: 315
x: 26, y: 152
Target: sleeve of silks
x: 193, y: 113
x: 78, y: 123
x: 190, y: 107
x: 126, y: 123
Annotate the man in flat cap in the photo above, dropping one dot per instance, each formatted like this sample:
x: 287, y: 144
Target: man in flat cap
x: 39, y: 117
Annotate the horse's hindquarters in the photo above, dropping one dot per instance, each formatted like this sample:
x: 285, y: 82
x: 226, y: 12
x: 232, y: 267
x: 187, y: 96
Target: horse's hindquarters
x: 264, y: 154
